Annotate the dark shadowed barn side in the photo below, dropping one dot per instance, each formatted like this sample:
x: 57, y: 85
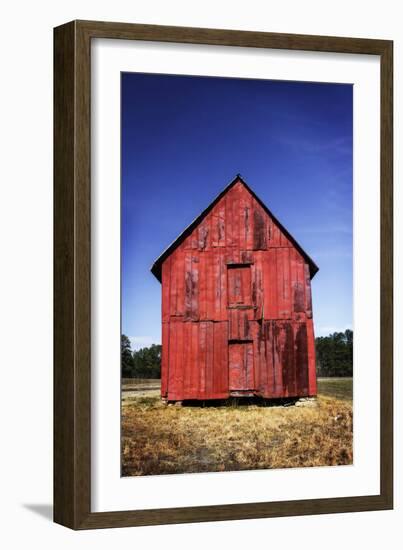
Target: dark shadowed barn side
x: 236, y: 305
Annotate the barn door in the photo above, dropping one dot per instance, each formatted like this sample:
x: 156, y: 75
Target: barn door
x: 241, y: 374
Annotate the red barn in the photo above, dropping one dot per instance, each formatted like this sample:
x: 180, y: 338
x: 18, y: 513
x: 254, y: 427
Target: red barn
x: 236, y: 305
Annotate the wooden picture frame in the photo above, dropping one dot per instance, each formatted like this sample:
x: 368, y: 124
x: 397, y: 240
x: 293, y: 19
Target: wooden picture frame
x: 72, y: 269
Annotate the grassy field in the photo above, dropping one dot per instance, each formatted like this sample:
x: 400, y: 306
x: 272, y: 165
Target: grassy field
x: 157, y: 439
x: 339, y: 388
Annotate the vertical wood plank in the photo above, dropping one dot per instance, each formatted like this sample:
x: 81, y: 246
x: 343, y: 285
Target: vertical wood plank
x: 269, y: 232
x: 218, y: 224
x: 269, y: 358
x: 224, y: 358
x: 202, y: 358
x: 275, y: 234
x: 282, y: 355
x: 284, y: 242
x: 250, y: 370
x: 233, y: 325
x: 194, y: 239
x: 293, y: 281
x: 223, y: 287
x: 209, y: 377
x: 202, y: 287
x: 191, y: 298
x: 298, y: 286
x: 217, y: 284
x: 214, y: 226
x: 277, y: 366
x: 187, y: 243
x: 289, y: 360
x: 195, y: 288
x: 282, y: 307
x: 255, y: 334
x: 259, y: 228
x: 308, y: 293
x: 246, y: 233
x: 270, y: 285
x: 222, y: 351
x: 203, y: 234
x: 247, y: 284
x: 234, y: 365
x: 173, y: 284
x: 221, y: 224
x: 312, y: 384
x: 194, y: 374
x: 188, y: 286
x: 180, y: 359
x: 249, y: 222
x: 210, y: 285
x: 186, y: 360
x: 257, y: 285
x: 235, y: 217
x: 180, y: 297
x: 166, y: 290
x: 164, y: 359
x: 286, y: 283
x: 228, y: 220
x: 301, y: 350
x: 246, y: 334
x: 173, y: 346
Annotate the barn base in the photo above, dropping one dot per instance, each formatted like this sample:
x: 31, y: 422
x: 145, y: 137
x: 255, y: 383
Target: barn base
x: 242, y: 393
x: 243, y: 399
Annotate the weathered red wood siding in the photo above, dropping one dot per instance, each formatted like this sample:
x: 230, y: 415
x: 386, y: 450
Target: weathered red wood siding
x: 236, y: 308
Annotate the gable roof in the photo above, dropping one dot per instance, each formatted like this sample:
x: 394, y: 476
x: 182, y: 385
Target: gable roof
x: 156, y: 268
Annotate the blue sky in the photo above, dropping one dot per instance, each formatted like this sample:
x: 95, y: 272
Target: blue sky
x: 184, y: 138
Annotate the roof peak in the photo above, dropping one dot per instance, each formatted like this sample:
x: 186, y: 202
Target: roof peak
x: 156, y: 267
x: 238, y: 177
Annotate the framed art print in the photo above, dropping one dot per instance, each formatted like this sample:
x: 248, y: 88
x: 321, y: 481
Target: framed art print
x: 223, y: 275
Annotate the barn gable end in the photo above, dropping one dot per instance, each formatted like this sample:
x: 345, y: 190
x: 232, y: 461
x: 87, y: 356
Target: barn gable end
x: 236, y: 305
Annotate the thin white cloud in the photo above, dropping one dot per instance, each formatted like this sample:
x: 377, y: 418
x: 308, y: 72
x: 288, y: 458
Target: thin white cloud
x: 331, y: 253
x: 138, y: 342
x: 340, y: 146
x: 319, y: 230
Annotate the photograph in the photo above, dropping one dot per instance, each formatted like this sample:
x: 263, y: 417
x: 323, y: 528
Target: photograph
x: 236, y: 274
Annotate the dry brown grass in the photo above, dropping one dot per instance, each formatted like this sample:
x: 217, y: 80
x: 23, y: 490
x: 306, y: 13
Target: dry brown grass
x: 163, y: 440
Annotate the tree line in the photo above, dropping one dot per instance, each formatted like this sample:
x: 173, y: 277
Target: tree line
x: 334, y: 354
x: 334, y: 357
x: 143, y: 363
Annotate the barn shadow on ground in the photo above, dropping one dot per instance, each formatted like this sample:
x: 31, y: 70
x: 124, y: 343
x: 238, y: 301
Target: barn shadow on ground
x: 237, y: 402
